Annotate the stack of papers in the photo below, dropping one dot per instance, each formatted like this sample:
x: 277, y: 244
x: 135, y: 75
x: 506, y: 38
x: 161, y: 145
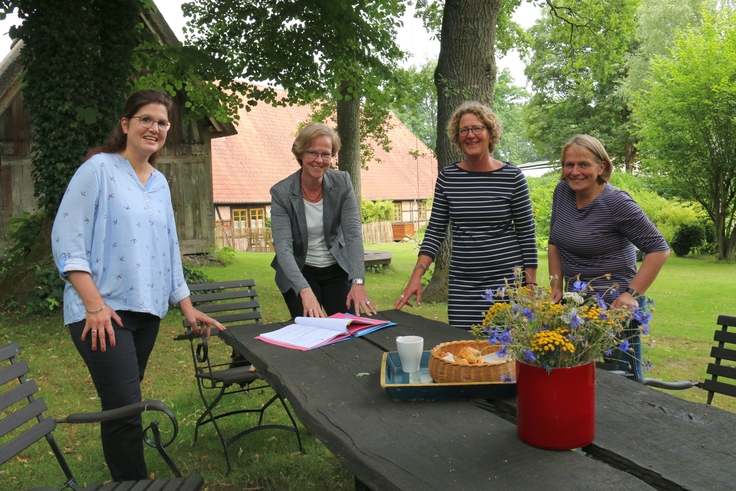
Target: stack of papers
x: 313, y: 332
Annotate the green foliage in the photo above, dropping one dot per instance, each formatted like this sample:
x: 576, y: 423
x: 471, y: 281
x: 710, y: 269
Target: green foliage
x: 194, y: 276
x: 687, y: 238
x: 415, y: 101
x: 75, y: 81
x: 578, y: 61
x: 48, y: 294
x: 508, y: 103
x: 686, y: 122
x: 378, y: 211
x: 225, y: 255
x: 658, y: 24
x: 24, y: 229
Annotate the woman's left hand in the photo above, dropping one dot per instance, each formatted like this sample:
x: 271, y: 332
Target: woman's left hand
x: 625, y: 300
x: 198, y: 319
x: 359, y: 297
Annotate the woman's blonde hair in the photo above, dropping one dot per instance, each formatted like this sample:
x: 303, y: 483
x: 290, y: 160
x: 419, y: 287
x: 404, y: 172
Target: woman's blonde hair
x: 309, y: 133
x: 482, y: 112
x: 596, y: 148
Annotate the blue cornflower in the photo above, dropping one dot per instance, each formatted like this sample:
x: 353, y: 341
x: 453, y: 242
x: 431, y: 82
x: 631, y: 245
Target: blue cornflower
x: 529, y: 356
x: 579, y: 286
x: 575, y: 321
x: 488, y: 296
x: 493, y: 336
x: 615, y: 294
x: 503, y: 351
x: 646, y: 365
x: 528, y: 313
x: 600, y: 301
x: 624, y: 346
x: 508, y: 379
x: 506, y: 337
x: 608, y: 352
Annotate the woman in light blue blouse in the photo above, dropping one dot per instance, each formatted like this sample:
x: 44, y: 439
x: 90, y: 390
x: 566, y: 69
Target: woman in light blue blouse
x: 115, y: 244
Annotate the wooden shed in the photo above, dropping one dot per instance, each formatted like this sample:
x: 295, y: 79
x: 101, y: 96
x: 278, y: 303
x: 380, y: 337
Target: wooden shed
x: 185, y: 160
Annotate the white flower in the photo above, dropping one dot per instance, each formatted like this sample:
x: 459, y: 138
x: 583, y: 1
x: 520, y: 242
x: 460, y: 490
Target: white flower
x: 574, y: 296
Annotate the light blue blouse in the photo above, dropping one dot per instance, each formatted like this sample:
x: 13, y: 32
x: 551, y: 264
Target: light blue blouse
x: 123, y: 234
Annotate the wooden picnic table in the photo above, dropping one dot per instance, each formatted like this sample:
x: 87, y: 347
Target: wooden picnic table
x: 645, y: 439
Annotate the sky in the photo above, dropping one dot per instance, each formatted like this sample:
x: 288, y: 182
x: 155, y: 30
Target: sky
x: 412, y: 37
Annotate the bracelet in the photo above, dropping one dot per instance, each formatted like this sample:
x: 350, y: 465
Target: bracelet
x: 531, y: 283
x: 420, y: 266
x: 633, y: 292
x: 104, y: 306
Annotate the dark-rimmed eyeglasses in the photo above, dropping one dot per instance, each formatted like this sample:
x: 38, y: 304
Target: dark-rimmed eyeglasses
x: 477, y: 130
x: 147, y: 122
x: 312, y: 155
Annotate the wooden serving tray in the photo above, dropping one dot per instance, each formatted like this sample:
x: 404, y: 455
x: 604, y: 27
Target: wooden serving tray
x: 403, y: 387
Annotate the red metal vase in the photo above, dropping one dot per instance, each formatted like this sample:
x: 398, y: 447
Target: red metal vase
x: 556, y: 410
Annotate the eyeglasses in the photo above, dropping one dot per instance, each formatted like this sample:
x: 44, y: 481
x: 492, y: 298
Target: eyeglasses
x: 326, y: 157
x: 477, y: 130
x: 147, y: 122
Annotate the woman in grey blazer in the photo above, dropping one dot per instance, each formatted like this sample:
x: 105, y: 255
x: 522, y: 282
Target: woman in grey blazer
x: 316, y: 232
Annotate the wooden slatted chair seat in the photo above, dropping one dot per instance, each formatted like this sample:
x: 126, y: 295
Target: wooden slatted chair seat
x: 232, y: 303
x: 22, y: 423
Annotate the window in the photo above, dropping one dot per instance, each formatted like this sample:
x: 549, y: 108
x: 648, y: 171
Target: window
x: 257, y: 218
x: 240, y: 219
x: 398, y: 216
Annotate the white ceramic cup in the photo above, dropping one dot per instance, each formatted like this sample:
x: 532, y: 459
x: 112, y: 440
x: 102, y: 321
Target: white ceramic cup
x: 410, y: 350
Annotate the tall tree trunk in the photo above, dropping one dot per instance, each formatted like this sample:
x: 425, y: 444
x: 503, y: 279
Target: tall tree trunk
x: 348, y: 126
x: 466, y: 70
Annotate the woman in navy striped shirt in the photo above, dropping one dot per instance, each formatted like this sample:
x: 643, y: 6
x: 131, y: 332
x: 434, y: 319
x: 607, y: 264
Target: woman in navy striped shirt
x: 487, y: 203
x: 594, y: 232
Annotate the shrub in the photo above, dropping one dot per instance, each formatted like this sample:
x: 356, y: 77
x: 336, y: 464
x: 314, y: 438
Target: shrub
x: 192, y: 275
x: 33, y: 274
x: 380, y: 211
x: 686, y: 238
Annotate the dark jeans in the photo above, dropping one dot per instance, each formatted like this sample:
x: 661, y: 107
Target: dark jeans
x: 331, y: 287
x: 627, y: 361
x: 117, y: 374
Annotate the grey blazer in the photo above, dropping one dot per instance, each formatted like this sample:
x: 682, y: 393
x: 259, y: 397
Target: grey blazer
x: 343, y: 234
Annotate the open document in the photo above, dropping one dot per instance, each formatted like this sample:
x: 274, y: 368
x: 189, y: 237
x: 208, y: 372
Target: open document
x: 312, y: 332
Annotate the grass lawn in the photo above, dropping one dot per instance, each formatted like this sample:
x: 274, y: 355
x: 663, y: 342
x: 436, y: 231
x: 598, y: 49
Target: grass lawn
x: 690, y: 293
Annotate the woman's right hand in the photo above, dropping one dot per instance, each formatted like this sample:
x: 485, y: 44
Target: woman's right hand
x: 413, y: 288
x: 310, y: 303
x: 99, y: 327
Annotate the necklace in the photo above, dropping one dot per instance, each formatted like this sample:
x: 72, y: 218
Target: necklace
x: 314, y: 199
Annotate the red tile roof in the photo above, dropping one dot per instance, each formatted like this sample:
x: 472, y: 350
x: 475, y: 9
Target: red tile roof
x: 246, y: 165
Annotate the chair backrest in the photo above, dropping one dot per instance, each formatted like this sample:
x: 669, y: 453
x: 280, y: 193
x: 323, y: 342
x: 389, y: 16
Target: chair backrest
x: 229, y: 302
x: 21, y: 413
x: 724, y: 365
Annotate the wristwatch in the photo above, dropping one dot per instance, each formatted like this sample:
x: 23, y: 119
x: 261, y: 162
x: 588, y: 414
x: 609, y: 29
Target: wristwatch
x: 358, y: 281
x: 632, y: 292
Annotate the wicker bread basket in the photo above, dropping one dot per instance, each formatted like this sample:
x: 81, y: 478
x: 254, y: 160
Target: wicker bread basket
x: 443, y: 371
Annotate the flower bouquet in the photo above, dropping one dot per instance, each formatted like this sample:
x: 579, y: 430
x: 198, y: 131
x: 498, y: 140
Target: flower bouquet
x: 555, y: 346
x: 579, y: 329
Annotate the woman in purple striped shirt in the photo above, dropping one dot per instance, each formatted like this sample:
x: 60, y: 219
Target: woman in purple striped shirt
x: 594, y: 232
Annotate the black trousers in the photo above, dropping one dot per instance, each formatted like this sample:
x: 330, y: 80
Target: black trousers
x: 117, y: 374
x: 331, y: 287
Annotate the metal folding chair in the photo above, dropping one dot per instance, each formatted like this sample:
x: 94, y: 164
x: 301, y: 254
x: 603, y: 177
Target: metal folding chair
x: 232, y: 303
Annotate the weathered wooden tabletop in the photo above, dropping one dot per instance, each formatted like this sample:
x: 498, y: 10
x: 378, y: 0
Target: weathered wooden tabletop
x: 646, y: 436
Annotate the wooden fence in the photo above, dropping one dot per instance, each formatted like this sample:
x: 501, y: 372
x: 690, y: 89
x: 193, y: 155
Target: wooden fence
x: 377, y: 232
x: 261, y: 239
x: 243, y: 239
